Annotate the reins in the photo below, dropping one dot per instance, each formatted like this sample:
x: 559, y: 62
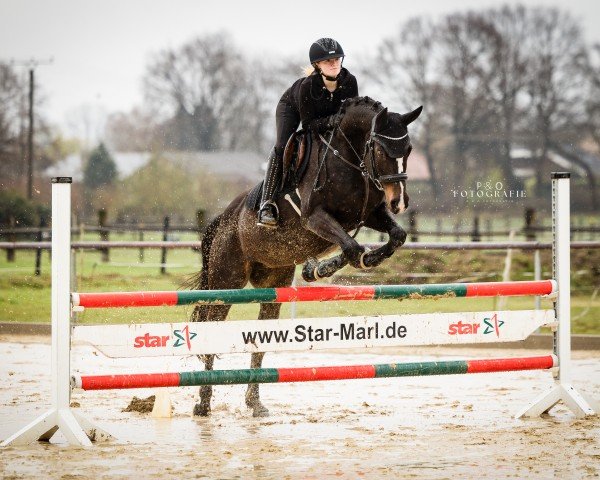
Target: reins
x: 361, y: 168
x: 366, y: 165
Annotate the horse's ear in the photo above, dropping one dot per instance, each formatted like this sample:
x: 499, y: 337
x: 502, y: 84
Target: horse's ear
x: 379, y: 121
x: 408, y: 118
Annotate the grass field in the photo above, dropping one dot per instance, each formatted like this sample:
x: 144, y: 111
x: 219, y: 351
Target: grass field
x: 26, y: 298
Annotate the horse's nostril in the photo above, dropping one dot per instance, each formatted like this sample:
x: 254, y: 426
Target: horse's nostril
x: 394, y: 204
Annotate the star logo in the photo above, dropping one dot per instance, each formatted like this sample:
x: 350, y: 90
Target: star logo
x: 492, y: 325
x: 184, y: 336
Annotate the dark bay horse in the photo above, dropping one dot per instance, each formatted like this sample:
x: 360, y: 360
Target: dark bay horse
x: 356, y: 175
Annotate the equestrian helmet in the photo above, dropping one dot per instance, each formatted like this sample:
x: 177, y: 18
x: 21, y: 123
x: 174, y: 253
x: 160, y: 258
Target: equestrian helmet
x: 324, y: 49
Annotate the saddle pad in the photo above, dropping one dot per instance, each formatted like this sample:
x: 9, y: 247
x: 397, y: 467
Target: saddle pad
x: 254, y: 196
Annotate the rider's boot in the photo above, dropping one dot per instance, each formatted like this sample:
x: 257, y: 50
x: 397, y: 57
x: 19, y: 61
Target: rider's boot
x: 268, y: 215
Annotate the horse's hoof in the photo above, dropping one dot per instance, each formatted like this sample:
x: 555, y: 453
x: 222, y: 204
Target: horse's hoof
x: 308, y: 270
x: 260, y: 411
x: 201, y: 410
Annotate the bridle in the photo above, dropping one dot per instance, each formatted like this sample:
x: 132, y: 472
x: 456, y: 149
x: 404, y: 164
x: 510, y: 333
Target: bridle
x: 377, y: 179
x: 366, y: 165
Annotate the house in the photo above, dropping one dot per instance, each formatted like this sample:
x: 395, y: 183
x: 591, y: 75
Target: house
x: 525, y: 167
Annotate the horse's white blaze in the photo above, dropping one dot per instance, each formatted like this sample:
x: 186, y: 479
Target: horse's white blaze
x: 402, y: 204
x: 402, y: 185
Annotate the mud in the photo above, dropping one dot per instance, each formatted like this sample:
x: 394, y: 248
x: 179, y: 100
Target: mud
x: 419, y: 296
x: 423, y: 427
x: 140, y: 405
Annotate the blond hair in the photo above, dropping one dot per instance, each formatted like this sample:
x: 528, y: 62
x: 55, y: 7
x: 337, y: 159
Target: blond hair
x: 308, y: 70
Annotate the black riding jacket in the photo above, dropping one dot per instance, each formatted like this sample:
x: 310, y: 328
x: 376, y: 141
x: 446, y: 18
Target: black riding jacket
x: 308, y: 101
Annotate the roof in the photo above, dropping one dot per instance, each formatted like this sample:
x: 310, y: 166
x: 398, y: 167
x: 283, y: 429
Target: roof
x: 524, y: 166
x: 247, y: 165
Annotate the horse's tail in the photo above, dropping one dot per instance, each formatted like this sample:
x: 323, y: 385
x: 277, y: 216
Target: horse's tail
x: 199, y: 281
x: 207, y: 240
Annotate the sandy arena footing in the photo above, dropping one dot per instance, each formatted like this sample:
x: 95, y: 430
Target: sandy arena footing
x: 458, y: 426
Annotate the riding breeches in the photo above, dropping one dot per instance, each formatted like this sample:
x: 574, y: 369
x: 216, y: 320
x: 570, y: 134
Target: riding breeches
x: 287, y: 120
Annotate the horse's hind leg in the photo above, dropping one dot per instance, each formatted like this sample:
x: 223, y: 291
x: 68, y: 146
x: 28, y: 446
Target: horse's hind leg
x: 267, y: 311
x: 223, y: 274
x: 203, y: 313
x: 262, y: 277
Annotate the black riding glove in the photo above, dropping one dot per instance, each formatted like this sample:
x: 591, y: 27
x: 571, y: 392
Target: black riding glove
x: 321, y: 125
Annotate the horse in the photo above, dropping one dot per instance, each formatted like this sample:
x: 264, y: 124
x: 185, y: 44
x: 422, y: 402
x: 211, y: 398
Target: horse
x: 340, y: 191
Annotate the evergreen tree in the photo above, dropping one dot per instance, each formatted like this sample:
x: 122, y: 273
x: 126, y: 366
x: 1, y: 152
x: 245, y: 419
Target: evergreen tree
x: 100, y: 169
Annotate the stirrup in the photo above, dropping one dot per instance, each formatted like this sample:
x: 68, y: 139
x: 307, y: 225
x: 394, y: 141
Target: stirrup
x: 272, y: 214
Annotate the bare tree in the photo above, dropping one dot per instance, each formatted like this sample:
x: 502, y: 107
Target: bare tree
x: 468, y: 64
x: 406, y: 72
x: 134, y: 131
x: 590, y: 65
x: 11, y: 114
x: 507, y: 86
x: 204, y: 91
x: 555, y: 85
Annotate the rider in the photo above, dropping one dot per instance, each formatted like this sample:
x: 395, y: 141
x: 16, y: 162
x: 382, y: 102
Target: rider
x: 313, y: 100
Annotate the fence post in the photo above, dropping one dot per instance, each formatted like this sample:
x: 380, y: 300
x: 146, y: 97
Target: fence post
x: 163, y: 258
x: 102, y: 214
x: 200, y: 219
x: 38, y: 252
x: 476, y: 234
x: 412, y: 226
x: 12, y: 237
x: 529, y: 222
x: 141, y: 239
x: 200, y: 225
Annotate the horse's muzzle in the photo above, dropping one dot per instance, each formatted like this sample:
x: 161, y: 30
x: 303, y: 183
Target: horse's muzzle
x: 393, y: 197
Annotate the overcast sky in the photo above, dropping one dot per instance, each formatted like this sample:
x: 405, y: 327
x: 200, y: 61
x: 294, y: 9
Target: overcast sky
x: 100, y: 47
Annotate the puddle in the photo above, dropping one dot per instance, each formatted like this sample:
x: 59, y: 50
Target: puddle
x: 421, y: 427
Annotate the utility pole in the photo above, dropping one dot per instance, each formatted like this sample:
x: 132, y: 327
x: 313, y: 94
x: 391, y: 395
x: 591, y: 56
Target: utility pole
x: 30, y: 137
x: 31, y: 64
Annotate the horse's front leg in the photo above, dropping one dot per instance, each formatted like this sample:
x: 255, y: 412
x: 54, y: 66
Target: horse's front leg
x: 327, y: 227
x: 203, y: 313
x: 382, y: 220
x: 314, y: 269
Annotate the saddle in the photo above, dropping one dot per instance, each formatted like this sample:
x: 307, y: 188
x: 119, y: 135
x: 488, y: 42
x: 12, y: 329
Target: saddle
x: 295, y: 161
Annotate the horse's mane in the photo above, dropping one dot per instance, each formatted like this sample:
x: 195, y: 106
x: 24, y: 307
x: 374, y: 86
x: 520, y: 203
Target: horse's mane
x: 367, y: 102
